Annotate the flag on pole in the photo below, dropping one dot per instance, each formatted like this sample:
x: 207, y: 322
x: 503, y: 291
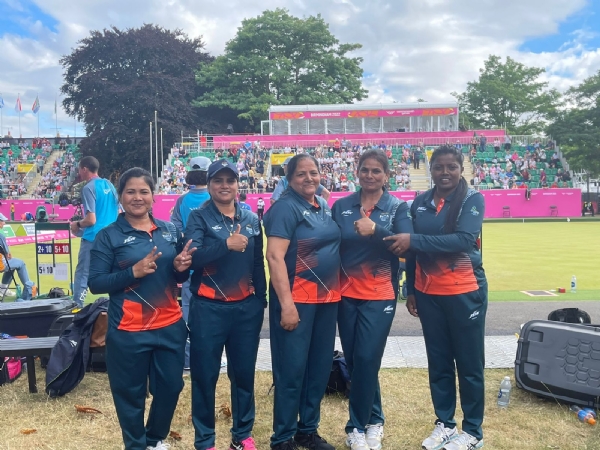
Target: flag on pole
x: 36, y: 105
x: 18, y: 107
x: 1, y: 102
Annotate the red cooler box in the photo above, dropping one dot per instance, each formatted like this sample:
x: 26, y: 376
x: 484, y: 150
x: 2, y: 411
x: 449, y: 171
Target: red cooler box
x: 33, y: 318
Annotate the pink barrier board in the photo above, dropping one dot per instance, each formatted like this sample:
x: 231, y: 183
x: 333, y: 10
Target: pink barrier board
x: 543, y: 203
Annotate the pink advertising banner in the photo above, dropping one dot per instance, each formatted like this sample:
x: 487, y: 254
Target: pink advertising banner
x: 358, y: 114
x: 307, y: 140
x: 498, y: 203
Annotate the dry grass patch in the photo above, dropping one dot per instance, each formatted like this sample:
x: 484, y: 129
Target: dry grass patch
x: 529, y: 423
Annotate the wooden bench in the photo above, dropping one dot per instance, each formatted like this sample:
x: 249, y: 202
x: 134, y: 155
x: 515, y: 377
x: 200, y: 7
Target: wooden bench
x: 28, y: 348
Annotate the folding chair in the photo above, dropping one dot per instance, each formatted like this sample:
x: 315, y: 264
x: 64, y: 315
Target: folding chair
x: 4, y: 266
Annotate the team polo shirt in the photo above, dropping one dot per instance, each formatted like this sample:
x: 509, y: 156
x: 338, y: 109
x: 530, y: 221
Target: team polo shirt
x: 445, y: 264
x: 137, y: 304
x: 99, y: 197
x: 218, y: 273
x: 187, y: 203
x: 369, y: 270
x: 312, y: 258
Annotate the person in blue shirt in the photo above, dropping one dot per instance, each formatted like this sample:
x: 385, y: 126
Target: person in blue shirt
x: 447, y: 290
x: 229, y: 295
x: 138, y: 260
x: 304, y: 292
x: 369, y: 279
x: 101, y: 207
x: 283, y: 184
x: 196, y: 179
x: 243, y: 203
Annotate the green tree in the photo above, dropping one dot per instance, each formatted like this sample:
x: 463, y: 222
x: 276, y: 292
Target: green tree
x: 279, y: 59
x: 508, y: 94
x: 577, y: 128
x: 115, y: 80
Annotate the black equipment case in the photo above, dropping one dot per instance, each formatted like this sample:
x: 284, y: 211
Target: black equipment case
x: 32, y: 318
x: 560, y: 361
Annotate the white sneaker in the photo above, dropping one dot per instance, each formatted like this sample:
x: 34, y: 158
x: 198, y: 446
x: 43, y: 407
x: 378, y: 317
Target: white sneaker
x: 7, y: 292
x: 439, y: 437
x: 374, y: 436
x: 160, y: 445
x: 464, y: 442
x: 357, y: 441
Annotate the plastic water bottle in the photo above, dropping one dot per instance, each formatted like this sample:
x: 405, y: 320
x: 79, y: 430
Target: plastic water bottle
x: 583, y: 415
x: 504, y: 393
x: 573, y: 284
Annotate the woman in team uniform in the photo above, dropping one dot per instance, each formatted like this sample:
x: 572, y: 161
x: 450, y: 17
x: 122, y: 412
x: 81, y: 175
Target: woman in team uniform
x: 369, y: 280
x: 304, y: 263
x: 447, y: 290
x: 138, y: 260
x: 229, y: 295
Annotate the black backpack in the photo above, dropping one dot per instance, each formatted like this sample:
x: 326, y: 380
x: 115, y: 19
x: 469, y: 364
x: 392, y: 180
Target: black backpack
x: 339, y: 378
x: 570, y: 315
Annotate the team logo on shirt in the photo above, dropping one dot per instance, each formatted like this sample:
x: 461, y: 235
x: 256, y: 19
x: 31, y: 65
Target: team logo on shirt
x: 328, y: 212
x: 384, y: 217
x: 168, y: 236
x: 306, y: 213
x: 421, y: 209
x: 474, y: 211
x: 250, y: 229
x: 129, y: 239
x: 347, y: 213
x: 217, y: 228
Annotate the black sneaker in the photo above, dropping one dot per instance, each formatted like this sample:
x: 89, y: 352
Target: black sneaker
x: 287, y: 445
x: 312, y: 442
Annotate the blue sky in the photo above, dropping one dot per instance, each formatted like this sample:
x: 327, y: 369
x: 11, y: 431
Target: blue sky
x: 411, y: 49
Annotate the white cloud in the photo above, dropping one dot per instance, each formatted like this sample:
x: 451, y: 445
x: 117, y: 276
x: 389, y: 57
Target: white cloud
x: 411, y: 49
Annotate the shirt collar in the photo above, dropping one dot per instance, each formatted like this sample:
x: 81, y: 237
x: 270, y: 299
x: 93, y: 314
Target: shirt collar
x: 212, y: 207
x: 380, y: 203
x: 300, y: 198
x: 127, y: 228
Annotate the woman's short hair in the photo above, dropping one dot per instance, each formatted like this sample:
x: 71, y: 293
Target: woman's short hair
x: 293, y: 164
x: 378, y: 155
x: 135, y: 172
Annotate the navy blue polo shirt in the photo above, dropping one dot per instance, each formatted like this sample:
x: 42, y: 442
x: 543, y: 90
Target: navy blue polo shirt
x: 220, y: 274
x: 440, y: 263
x: 137, y: 304
x: 369, y: 270
x: 312, y: 258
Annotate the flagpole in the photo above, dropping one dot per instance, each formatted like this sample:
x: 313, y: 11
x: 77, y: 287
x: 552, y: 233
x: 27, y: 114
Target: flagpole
x: 156, y: 140
x: 150, y: 148
x: 162, y: 158
x: 18, y: 99
x: 56, y: 117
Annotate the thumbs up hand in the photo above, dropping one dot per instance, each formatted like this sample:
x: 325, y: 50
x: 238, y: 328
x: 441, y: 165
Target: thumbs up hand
x: 364, y: 226
x: 237, y: 242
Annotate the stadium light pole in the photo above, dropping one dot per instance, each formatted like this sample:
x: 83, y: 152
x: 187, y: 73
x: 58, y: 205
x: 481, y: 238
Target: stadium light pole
x: 162, y: 158
x: 151, y: 148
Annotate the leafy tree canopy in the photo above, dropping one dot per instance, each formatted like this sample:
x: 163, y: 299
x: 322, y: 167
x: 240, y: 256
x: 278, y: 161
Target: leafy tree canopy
x: 508, y: 94
x: 116, y: 79
x: 577, y: 127
x: 279, y: 59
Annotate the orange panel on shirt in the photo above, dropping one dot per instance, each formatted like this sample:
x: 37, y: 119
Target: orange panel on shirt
x: 369, y: 286
x: 304, y: 291
x: 447, y: 277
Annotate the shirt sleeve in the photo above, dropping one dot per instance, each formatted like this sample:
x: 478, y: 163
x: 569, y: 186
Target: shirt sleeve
x: 88, y: 198
x: 4, y: 243
x: 281, y: 221
x: 411, y: 262
x: 176, y: 216
x: 102, y: 279
x: 278, y: 191
x: 196, y: 230
x: 259, y: 279
x: 319, y: 189
x: 463, y: 239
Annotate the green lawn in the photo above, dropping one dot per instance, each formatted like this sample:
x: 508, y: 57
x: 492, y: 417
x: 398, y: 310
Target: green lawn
x: 516, y: 256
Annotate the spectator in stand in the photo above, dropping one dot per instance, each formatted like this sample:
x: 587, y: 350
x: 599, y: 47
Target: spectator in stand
x: 496, y: 145
x: 416, y: 157
x: 507, y: 142
x: 242, y: 202
x: 482, y: 143
x: 283, y: 184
